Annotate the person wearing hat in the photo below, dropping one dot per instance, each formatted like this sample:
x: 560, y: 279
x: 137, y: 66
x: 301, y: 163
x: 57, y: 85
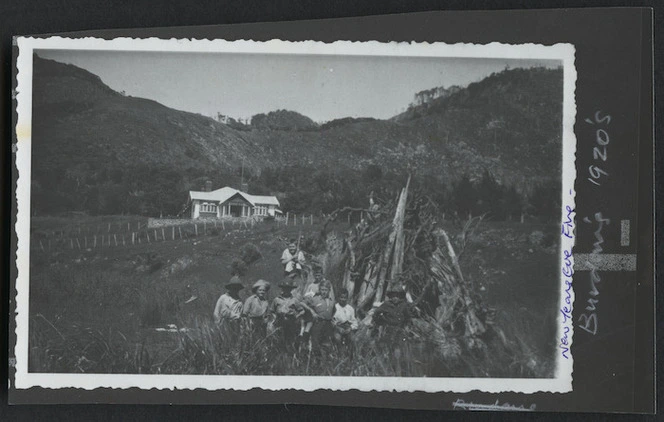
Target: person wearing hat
x: 390, y: 320
x: 286, y: 309
x: 229, y: 305
x: 292, y: 259
x: 395, y: 311
x: 255, y: 306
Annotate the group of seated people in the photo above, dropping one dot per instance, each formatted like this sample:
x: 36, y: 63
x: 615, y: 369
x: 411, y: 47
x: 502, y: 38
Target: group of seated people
x: 313, y: 314
x: 310, y: 313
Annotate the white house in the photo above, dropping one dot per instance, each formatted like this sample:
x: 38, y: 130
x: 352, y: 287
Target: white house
x: 229, y: 202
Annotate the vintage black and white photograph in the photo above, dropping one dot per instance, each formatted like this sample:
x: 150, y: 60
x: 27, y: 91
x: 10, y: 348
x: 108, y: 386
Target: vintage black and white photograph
x: 347, y: 215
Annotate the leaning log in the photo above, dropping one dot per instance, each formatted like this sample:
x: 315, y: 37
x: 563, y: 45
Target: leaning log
x: 390, y: 258
x: 369, y: 284
x: 455, y: 293
x: 399, y: 239
x: 348, y: 282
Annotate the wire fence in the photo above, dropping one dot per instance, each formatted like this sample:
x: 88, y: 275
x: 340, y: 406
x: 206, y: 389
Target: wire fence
x: 138, y: 233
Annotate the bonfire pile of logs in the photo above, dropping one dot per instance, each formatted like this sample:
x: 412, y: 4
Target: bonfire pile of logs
x: 399, y: 246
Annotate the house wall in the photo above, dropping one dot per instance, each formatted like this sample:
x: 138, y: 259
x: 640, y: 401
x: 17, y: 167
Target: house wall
x: 223, y: 210
x: 196, y: 209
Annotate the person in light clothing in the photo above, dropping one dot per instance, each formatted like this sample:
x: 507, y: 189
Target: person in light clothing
x: 292, y: 259
x: 255, y: 307
x: 319, y: 277
x: 229, y: 306
x: 321, y: 308
x: 344, y: 320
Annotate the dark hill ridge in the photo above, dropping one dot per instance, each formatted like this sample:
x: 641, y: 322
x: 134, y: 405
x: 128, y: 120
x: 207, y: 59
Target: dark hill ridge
x: 508, y: 124
x: 78, y: 119
x: 283, y: 120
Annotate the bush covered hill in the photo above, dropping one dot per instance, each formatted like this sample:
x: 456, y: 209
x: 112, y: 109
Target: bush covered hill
x: 99, y: 151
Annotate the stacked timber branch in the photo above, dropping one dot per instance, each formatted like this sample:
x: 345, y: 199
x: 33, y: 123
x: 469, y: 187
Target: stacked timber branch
x: 401, y: 247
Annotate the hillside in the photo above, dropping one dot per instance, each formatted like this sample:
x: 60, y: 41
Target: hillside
x: 94, y: 147
x: 282, y: 120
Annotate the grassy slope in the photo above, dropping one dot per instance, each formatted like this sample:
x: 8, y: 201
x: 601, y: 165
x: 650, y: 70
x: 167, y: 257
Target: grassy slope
x: 118, y: 295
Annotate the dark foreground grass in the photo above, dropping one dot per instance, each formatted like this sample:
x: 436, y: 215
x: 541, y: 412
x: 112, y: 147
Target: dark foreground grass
x: 203, y: 347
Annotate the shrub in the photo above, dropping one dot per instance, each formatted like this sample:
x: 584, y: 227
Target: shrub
x: 249, y: 253
x: 238, y: 267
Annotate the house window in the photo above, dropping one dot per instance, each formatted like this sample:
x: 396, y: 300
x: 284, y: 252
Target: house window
x: 207, y: 207
x: 260, y: 210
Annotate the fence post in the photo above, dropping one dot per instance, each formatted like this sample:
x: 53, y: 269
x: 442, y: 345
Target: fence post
x: 312, y: 219
x: 155, y: 235
x: 286, y: 217
x: 109, y: 227
x: 78, y: 243
x: 133, y: 238
x: 180, y: 231
x: 196, y: 228
x: 295, y: 219
x: 95, y: 244
x: 163, y: 236
x: 123, y: 240
x: 223, y: 226
x: 173, y: 232
x: 115, y: 239
x: 147, y: 234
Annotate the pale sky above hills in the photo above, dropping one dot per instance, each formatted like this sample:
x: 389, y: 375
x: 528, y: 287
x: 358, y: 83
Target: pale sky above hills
x: 320, y: 87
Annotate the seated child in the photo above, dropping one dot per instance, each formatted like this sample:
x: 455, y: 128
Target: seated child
x: 344, y: 320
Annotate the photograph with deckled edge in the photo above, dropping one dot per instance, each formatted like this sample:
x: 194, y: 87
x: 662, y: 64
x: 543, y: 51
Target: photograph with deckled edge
x: 337, y: 214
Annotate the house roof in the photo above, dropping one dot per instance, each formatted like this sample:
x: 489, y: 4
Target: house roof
x: 265, y: 200
x: 226, y: 193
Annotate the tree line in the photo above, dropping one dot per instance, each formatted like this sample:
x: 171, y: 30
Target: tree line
x: 300, y: 189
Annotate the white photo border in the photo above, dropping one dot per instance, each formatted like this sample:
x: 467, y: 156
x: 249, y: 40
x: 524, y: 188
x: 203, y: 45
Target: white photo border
x: 560, y: 383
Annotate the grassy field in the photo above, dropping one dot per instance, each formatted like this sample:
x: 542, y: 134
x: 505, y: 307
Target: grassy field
x: 97, y: 310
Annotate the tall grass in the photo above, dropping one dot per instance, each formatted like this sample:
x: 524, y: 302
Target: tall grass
x: 233, y: 349
x: 98, y: 316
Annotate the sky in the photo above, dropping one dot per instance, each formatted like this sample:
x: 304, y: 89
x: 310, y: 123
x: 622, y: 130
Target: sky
x: 320, y: 87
